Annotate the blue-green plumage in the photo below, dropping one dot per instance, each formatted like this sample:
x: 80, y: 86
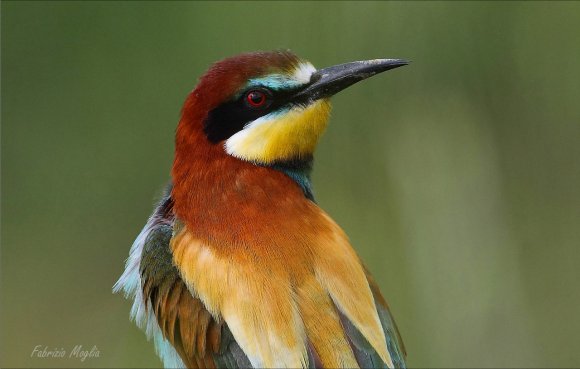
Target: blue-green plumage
x: 299, y: 171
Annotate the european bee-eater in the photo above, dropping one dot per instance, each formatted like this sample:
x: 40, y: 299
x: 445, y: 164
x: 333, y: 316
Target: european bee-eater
x: 238, y: 267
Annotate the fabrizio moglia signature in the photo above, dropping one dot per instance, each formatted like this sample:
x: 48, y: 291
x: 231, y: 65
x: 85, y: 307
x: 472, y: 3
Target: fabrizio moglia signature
x: 77, y: 352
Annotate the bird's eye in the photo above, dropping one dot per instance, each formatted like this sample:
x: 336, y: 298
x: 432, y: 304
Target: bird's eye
x: 256, y: 99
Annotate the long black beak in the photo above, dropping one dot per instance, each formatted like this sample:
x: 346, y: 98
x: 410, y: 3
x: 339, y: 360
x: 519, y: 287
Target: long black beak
x: 328, y: 81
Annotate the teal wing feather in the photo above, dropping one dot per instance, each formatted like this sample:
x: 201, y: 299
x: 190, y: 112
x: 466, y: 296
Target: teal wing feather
x: 365, y: 354
x: 178, y: 321
x: 231, y: 355
x: 395, y: 343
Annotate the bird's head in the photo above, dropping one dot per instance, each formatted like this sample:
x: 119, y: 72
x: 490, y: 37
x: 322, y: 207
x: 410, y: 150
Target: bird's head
x: 267, y: 107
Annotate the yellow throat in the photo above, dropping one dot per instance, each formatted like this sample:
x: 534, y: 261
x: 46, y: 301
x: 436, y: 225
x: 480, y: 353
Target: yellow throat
x: 292, y: 134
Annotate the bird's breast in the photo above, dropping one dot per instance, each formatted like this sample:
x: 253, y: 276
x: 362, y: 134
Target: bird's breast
x: 286, y: 293
x: 269, y: 262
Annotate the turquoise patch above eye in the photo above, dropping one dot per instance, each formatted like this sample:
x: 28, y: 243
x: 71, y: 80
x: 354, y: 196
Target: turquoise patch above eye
x: 274, y: 82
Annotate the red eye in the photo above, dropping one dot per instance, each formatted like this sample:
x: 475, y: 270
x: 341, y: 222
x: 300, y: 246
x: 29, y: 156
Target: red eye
x: 256, y: 98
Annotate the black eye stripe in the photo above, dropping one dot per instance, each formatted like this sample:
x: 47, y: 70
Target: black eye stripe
x: 230, y: 117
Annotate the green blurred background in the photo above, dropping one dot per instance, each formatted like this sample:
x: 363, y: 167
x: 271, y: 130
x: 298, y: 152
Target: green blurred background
x: 457, y: 178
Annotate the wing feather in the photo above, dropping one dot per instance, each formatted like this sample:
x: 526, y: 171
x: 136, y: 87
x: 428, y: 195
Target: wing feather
x: 165, y: 306
x: 365, y: 354
x: 395, y: 343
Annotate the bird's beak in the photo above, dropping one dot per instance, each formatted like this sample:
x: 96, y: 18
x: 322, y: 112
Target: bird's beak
x: 328, y: 81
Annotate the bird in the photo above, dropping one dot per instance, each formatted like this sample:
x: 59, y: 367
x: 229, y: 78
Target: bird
x: 238, y: 266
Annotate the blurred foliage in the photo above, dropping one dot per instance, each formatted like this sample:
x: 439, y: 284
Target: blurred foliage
x: 457, y: 178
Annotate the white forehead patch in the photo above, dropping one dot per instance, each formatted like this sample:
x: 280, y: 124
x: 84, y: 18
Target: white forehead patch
x: 303, y: 72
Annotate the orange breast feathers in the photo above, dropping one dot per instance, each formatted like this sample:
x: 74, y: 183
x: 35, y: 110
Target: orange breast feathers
x: 280, y: 277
